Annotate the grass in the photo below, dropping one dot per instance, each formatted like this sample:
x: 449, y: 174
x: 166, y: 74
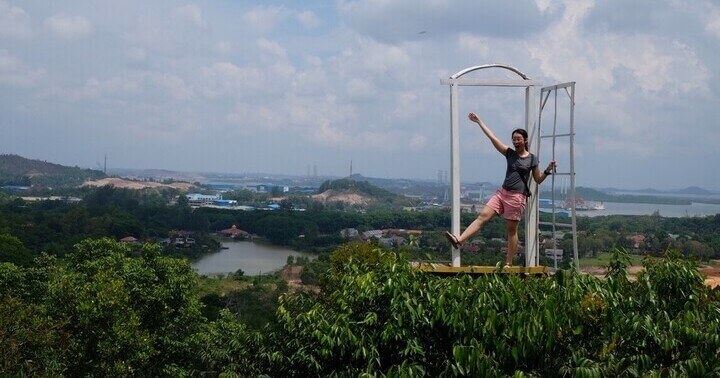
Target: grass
x: 220, y: 285
x: 603, y: 259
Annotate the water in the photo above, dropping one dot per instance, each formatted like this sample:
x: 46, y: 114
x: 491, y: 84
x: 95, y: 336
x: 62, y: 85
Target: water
x: 253, y: 258
x: 672, y: 211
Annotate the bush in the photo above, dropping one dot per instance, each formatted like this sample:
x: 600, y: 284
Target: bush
x: 377, y: 316
x: 101, y: 312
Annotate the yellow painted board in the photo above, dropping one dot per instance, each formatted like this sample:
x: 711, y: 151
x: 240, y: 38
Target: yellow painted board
x: 474, y: 269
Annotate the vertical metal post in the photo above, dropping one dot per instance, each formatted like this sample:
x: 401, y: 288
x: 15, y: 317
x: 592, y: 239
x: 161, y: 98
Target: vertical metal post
x: 572, y: 174
x: 531, y: 212
x: 455, y: 170
x: 554, y: 219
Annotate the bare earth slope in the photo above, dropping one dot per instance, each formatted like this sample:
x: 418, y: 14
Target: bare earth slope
x: 128, y: 184
x: 333, y: 195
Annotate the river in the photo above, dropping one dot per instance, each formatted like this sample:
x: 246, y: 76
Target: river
x: 695, y: 209
x: 253, y: 258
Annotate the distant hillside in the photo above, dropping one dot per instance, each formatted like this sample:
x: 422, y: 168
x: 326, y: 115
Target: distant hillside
x: 694, y: 190
x: 358, y: 193
x: 596, y: 195
x: 17, y: 170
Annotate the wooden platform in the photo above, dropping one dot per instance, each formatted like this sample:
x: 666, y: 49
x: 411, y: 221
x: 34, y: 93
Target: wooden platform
x: 446, y: 269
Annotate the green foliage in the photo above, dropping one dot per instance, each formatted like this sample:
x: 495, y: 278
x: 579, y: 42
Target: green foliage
x: 355, y: 253
x: 55, y: 227
x: 363, y: 187
x: 29, y: 339
x: 672, y: 284
x: 12, y: 250
x: 106, y: 313
x: 314, y: 271
x: 226, y: 347
x: 102, y: 312
x: 280, y: 229
x: 377, y: 316
x: 255, y: 305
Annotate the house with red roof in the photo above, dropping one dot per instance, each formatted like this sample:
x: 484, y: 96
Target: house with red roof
x: 234, y: 232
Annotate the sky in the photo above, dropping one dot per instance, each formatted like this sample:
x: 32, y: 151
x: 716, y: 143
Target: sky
x: 290, y: 87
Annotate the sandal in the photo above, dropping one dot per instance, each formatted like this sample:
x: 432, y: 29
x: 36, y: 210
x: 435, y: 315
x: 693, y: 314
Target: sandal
x: 452, y: 239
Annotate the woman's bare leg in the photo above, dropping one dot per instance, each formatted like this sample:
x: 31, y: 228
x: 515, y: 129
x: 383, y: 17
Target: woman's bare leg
x: 513, y: 240
x: 485, y: 215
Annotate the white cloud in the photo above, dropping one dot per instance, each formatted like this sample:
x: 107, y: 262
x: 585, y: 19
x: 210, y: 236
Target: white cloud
x: 374, y: 57
x: 406, y: 104
x: 115, y: 86
x: 174, y: 86
x: 223, y: 47
x: 226, y: 78
x: 358, y: 88
x: 417, y: 142
x: 712, y: 21
x: 189, y: 13
x: 477, y: 44
x: 69, y: 27
x: 14, y: 21
x: 271, y: 47
x: 402, y: 20
x: 308, y: 19
x: 94, y: 89
x: 619, y: 73
x: 262, y: 20
x: 137, y: 54
x: 359, y: 76
x: 14, y: 72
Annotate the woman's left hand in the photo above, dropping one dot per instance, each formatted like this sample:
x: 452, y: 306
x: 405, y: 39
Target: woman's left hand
x: 552, y: 166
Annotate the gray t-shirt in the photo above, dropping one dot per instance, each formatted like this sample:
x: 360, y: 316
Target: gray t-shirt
x: 517, y: 166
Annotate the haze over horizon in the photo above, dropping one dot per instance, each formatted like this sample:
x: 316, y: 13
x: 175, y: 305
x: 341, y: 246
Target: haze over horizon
x: 282, y: 87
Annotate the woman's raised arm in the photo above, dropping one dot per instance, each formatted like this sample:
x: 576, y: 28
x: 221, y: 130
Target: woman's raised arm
x: 497, y: 143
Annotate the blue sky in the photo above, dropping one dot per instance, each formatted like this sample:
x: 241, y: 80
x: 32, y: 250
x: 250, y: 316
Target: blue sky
x: 282, y: 87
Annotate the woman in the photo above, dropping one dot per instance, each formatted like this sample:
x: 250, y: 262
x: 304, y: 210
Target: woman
x: 509, y: 201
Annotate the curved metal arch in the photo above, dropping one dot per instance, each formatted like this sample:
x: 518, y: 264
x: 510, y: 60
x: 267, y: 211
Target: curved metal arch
x: 475, y: 68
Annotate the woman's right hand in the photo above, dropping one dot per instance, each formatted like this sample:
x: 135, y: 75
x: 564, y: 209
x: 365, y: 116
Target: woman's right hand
x: 473, y: 117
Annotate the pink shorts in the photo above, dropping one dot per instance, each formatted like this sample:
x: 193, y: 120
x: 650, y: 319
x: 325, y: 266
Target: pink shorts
x: 508, y: 204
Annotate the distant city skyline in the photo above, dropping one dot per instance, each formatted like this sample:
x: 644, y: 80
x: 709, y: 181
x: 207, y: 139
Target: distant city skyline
x: 293, y: 88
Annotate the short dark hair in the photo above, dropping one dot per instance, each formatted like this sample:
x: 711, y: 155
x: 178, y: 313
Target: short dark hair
x: 524, y: 134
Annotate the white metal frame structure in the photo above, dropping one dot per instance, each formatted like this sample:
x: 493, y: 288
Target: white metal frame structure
x: 531, y: 212
x: 545, y: 93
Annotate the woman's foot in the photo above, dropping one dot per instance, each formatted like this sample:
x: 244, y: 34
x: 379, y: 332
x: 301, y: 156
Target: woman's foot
x: 452, y: 239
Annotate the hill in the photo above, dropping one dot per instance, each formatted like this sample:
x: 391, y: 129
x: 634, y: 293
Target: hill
x: 596, y: 195
x: 694, y: 190
x: 17, y: 170
x: 360, y: 193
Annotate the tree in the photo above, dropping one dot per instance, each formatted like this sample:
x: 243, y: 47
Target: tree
x: 279, y: 229
x: 13, y: 251
x: 111, y: 314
